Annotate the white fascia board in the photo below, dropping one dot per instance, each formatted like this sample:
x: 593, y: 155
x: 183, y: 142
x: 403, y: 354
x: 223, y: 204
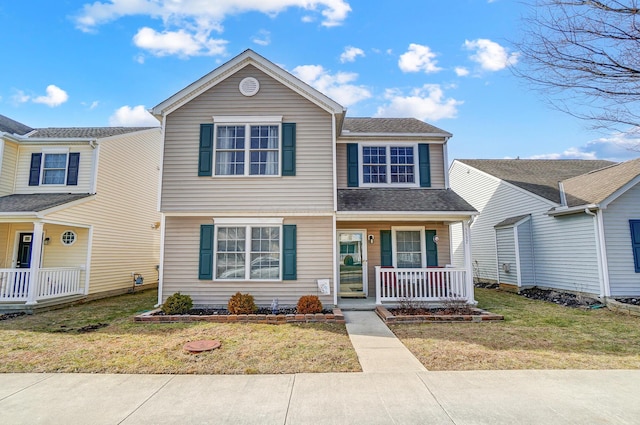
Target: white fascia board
x: 57, y: 141
x: 407, y: 135
x: 615, y: 195
x: 519, y: 189
x: 239, y: 214
x: 13, y: 217
x: 572, y: 210
x: 248, y: 57
x: 405, y: 216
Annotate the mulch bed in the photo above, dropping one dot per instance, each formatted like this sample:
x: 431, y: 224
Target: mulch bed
x: 438, y: 315
x: 632, y: 301
x: 223, y: 316
x: 561, y: 298
x: 224, y: 311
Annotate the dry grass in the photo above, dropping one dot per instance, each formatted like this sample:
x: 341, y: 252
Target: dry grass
x: 534, y: 335
x: 51, y: 342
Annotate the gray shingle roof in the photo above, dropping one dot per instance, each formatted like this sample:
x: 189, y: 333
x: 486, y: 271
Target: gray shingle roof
x: 83, y: 132
x: 388, y: 125
x: 538, y: 176
x: 596, y: 186
x: 8, y: 125
x: 418, y: 200
x: 37, y: 202
x: 511, y: 220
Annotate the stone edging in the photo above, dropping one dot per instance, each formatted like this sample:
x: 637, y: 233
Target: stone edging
x: 273, y: 319
x: 388, y: 317
x: 617, y: 306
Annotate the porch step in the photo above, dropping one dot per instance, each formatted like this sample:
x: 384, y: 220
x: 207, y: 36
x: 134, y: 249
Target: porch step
x: 44, y: 305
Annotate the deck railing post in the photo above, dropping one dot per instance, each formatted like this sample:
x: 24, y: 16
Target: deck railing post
x: 378, y: 286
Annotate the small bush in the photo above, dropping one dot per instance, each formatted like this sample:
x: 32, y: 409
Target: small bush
x: 309, y: 304
x: 177, y: 304
x: 242, y: 304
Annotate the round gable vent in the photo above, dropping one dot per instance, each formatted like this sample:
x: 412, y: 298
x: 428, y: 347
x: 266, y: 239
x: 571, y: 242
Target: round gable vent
x: 249, y: 86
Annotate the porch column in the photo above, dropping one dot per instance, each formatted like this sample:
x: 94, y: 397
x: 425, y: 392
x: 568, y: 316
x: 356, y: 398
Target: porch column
x: 468, y: 266
x: 36, y: 254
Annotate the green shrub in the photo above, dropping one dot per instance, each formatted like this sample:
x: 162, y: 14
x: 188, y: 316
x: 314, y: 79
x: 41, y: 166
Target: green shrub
x: 309, y: 304
x: 242, y: 304
x: 177, y: 304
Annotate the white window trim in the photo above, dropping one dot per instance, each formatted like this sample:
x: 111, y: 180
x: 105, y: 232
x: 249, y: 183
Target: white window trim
x: 387, y: 146
x: 47, y: 151
x: 248, y: 122
x: 248, y: 224
x: 423, y: 243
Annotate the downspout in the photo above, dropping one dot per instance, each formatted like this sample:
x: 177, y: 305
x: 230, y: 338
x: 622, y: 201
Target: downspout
x: 603, y: 272
x: 334, y: 250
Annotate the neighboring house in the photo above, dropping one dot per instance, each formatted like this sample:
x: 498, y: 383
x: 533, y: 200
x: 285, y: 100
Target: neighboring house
x: 268, y: 189
x: 78, y: 212
x: 573, y: 225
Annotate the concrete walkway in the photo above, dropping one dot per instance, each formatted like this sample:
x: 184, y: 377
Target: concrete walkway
x: 480, y: 397
x: 377, y: 347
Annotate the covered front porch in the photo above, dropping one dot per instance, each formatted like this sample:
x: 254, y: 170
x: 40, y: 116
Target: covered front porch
x: 42, y: 263
x: 391, y: 261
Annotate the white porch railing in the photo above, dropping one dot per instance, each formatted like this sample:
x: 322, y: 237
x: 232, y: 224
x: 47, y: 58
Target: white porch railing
x: 430, y: 284
x: 51, y: 283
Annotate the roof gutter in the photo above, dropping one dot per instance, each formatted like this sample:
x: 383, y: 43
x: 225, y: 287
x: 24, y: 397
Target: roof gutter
x: 572, y: 210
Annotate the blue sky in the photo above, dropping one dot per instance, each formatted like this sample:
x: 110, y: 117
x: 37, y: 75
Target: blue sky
x: 73, y: 63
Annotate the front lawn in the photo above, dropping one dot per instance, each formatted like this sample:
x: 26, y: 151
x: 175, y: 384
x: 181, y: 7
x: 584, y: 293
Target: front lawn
x: 533, y: 335
x: 101, y: 337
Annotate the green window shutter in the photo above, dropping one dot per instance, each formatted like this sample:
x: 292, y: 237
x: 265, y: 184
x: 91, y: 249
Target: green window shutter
x: 205, y: 159
x: 288, y: 149
x: 432, y: 248
x: 635, y: 243
x: 289, y: 260
x: 205, y: 268
x: 386, y: 249
x: 424, y: 165
x: 352, y: 164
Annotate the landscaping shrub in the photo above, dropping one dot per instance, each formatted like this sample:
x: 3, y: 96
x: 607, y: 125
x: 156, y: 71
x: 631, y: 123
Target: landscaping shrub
x: 177, y: 304
x: 309, y: 304
x: 242, y: 304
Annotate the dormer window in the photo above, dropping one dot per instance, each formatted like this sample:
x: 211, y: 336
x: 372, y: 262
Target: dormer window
x: 54, y: 168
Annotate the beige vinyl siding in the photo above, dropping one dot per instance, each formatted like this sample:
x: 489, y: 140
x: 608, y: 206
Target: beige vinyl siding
x: 623, y: 279
x: 309, y: 191
x: 9, y: 242
x: 314, y: 261
x: 57, y: 254
x: 436, y: 160
x: 373, y: 250
x: 85, y: 171
x: 123, y: 212
x: 8, y: 172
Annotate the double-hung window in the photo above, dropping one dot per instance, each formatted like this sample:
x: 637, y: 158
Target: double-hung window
x: 409, y: 247
x: 54, y: 168
x: 248, y: 252
x: 389, y: 165
x: 247, y: 148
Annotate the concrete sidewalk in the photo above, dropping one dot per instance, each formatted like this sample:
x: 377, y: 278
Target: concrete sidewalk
x: 480, y: 397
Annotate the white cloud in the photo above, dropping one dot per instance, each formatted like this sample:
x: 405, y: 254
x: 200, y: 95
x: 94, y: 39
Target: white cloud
x: 93, y: 105
x: 615, y: 147
x: 20, y: 97
x: 336, y: 86
x: 203, y: 15
x: 427, y: 103
x: 461, y: 71
x: 490, y: 55
x: 137, y: 116
x: 263, y: 38
x: 180, y: 43
x: 55, y: 97
x: 418, y: 58
x: 350, y: 54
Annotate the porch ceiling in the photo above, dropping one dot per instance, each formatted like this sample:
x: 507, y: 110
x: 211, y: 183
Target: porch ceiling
x: 419, y: 201
x: 37, y: 202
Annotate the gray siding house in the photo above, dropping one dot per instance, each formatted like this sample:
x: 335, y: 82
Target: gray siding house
x: 573, y: 225
x: 268, y: 188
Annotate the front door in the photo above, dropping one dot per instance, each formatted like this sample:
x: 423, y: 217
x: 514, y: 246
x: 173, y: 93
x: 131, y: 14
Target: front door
x: 24, y: 251
x: 352, y: 260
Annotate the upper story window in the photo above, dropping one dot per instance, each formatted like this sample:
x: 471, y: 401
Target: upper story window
x: 388, y: 165
x: 54, y: 167
x: 247, y: 149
